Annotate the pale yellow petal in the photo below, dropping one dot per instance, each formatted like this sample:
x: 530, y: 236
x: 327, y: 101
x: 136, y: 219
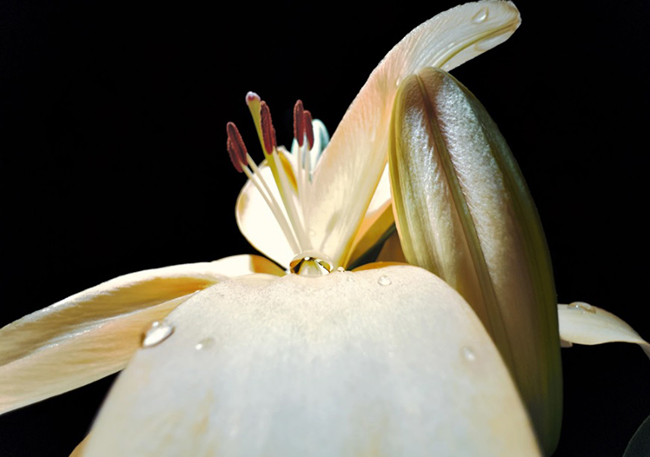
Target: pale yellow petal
x: 463, y: 211
x: 388, y: 362
x: 350, y: 168
x: 257, y: 222
x: 78, y: 451
x: 94, y: 333
x: 377, y: 224
x: 582, y: 323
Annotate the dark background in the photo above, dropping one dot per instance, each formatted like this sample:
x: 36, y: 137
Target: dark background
x: 113, y: 160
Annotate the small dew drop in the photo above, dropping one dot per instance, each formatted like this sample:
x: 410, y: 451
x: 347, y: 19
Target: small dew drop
x: 205, y: 343
x: 384, y: 280
x: 340, y: 269
x: 157, y: 333
x: 481, y: 16
x: 582, y: 306
x: 468, y: 354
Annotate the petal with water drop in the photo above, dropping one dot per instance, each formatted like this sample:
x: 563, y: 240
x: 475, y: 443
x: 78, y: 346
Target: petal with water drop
x: 352, y: 164
x: 340, y: 365
x: 94, y: 333
x: 582, y: 323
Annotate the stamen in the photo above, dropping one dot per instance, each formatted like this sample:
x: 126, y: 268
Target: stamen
x: 268, y: 131
x: 309, y: 129
x: 236, y: 147
x: 292, y: 219
x: 299, y: 123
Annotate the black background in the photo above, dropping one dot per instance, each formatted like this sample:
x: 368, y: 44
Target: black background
x: 113, y: 160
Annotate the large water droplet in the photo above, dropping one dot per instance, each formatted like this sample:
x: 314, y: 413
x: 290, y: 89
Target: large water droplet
x: 468, y: 354
x: 384, y: 280
x: 205, y: 343
x: 311, y: 263
x: 481, y: 16
x: 582, y: 306
x: 157, y: 333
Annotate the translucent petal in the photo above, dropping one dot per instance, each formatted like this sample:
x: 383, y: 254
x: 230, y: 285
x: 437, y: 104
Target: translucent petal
x: 387, y: 362
x: 355, y: 158
x: 377, y: 221
x: 581, y: 323
x: 463, y: 211
x: 260, y: 228
x: 257, y: 222
x: 94, y: 333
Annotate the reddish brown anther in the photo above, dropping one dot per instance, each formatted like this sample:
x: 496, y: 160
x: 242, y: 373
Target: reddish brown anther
x: 236, y: 147
x: 299, y: 123
x: 309, y: 129
x: 268, y: 131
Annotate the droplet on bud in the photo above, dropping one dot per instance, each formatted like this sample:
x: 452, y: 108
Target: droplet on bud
x: 480, y: 17
x: 158, y: 332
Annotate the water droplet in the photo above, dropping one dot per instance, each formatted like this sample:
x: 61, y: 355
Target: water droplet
x: 469, y: 354
x: 205, y: 343
x: 311, y: 263
x: 340, y: 269
x: 384, y: 280
x: 157, y: 333
x: 398, y: 81
x: 481, y: 16
x: 582, y: 306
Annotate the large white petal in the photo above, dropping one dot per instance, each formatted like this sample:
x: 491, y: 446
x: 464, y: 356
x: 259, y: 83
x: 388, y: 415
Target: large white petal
x: 94, y: 333
x: 389, y: 362
x: 351, y: 166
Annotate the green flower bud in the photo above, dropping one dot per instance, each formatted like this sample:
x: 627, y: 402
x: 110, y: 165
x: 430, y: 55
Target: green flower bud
x: 464, y: 212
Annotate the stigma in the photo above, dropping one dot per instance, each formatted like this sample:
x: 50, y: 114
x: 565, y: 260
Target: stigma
x: 289, y: 194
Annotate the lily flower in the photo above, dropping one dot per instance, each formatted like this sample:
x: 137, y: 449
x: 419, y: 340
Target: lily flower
x: 315, y: 349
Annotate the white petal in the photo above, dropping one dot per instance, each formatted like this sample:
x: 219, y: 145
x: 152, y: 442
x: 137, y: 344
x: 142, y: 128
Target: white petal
x: 582, y: 323
x: 388, y: 362
x: 257, y: 222
x: 350, y: 168
x: 94, y: 333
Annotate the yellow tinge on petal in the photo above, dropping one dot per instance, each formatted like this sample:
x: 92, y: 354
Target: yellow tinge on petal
x: 94, y: 333
x: 463, y: 211
x: 383, y: 362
